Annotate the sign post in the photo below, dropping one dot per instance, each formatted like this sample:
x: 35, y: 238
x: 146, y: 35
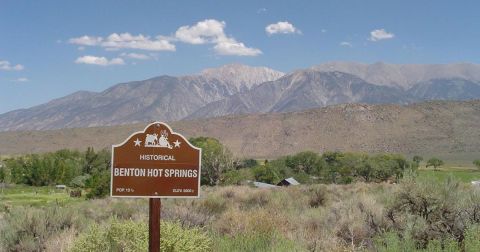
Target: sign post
x: 155, y: 163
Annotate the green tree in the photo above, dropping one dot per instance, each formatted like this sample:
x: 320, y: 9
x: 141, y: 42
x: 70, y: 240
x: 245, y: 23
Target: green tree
x: 416, y: 161
x: 333, y: 164
x: 477, y: 163
x: 435, y: 162
x: 266, y: 173
x: 307, y: 162
x: 3, y: 174
x: 216, y: 159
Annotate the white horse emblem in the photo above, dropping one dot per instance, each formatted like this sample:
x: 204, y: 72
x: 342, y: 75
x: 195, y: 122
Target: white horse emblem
x: 152, y: 140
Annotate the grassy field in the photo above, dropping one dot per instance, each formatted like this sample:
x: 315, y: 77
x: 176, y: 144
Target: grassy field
x: 21, y: 195
x: 464, y: 173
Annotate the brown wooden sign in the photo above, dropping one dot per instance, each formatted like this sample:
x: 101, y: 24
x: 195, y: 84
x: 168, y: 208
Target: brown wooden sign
x: 156, y: 163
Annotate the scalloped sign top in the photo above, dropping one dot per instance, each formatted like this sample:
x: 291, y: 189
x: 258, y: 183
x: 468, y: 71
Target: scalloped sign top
x: 155, y: 163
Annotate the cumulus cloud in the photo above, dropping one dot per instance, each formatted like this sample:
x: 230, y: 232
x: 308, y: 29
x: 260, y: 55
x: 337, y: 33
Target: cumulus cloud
x: 380, y: 34
x: 282, y: 27
x: 139, y: 56
x: 211, y: 31
x: 232, y: 47
x: 126, y: 40
x: 100, y: 61
x: 7, y: 66
x: 346, y: 44
x: 206, y: 31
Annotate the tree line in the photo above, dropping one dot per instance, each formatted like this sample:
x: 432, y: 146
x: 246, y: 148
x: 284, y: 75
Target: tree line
x: 91, y: 169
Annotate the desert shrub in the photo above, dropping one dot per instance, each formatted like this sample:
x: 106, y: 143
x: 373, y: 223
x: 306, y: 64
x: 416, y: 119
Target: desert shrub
x: 133, y: 236
x: 472, y: 238
x: 318, y: 197
x: 357, y: 221
x: 213, y: 205
x: 189, y: 213
x: 253, y: 242
x: 258, y: 198
x: 28, y: 229
x: 433, y: 211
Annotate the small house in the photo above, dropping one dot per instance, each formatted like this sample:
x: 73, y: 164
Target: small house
x: 288, y: 182
x: 60, y: 187
x: 263, y: 185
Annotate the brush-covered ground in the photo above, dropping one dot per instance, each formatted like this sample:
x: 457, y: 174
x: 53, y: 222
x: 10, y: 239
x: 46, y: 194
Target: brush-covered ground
x: 422, y: 212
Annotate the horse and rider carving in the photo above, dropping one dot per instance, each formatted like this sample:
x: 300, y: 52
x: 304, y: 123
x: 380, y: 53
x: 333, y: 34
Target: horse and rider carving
x: 153, y: 140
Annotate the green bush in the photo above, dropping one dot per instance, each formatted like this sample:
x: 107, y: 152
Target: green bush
x: 266, y: 173
x: 130, y: 236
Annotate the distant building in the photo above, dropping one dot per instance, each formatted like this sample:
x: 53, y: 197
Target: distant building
x: 263, y: 185
x: 60, y: 186
x: 288, y: 182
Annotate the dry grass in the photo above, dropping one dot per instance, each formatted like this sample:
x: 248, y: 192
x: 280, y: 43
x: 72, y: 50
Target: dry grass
x: 240, y: 218
x: 315, y: 218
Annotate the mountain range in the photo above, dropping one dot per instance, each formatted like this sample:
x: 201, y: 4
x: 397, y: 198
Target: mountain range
x: 239, y: 89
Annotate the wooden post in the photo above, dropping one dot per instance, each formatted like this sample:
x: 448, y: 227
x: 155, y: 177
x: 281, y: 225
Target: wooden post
x: 154, y: 225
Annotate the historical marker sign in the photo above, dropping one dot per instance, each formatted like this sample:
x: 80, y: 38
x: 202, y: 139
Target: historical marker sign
x: 156, y: 163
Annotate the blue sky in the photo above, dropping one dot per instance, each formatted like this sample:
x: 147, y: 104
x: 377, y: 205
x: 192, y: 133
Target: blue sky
x: 49, y: 49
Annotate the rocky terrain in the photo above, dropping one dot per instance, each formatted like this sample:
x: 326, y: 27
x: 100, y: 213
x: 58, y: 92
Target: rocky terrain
x: 441, y: 128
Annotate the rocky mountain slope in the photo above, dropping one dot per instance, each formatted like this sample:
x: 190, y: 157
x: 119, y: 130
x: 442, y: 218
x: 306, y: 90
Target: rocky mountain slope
x: 303, y: 90
x: 440, y: 128
x: 239, y: 89
x: 404, y: 76
x: 161, y: 98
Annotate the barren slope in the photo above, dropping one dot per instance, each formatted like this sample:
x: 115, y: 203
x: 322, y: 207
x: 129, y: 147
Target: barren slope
x: 432, y: 127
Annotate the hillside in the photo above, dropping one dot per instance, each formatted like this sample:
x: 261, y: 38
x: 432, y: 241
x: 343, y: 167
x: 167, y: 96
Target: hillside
x: 442, y: 128
x: 239, y: 89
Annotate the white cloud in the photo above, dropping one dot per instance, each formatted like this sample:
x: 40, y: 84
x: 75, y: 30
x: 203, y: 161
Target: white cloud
x: 138, y: 56
x: 21, y: 79
x: 101, y: 61
x: 380, y: 34
x: 346, y: 44
x: 261, y: 10
x: 232, y: 47
x: 86, y: 40
x: 211, y: 31
x: 282, y: 27
x: 128, y: 41
x: 207, y: 31
x: 125, y: 41
x: 7, y: 66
